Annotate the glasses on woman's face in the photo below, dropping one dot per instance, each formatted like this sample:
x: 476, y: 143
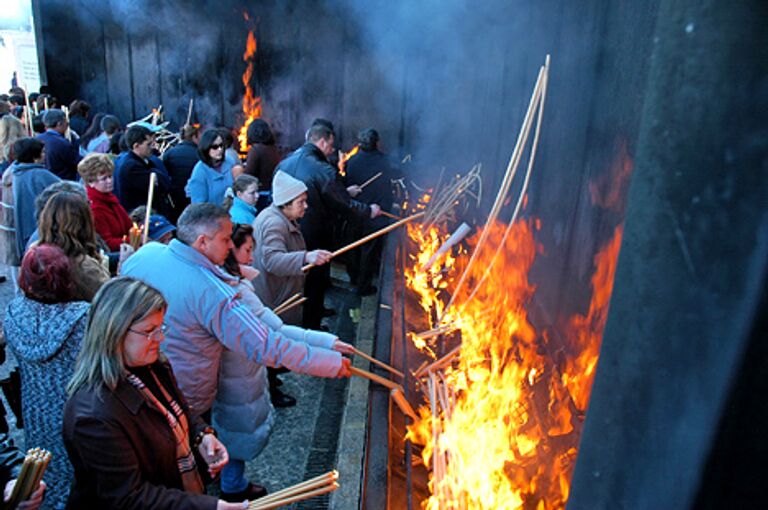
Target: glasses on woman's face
x: 217, y: 146
x: 156, y: 335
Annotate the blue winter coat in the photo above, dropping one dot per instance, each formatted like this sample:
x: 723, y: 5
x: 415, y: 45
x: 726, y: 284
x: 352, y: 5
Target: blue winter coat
x: 45, y: 339
x: 242, y: 212
x: 209, y: 184
x: 206, y: 314
x: 29, y: 179
x: 242, y: 412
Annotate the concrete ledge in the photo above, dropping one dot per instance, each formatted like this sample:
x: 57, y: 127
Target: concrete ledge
x: 351, y: 450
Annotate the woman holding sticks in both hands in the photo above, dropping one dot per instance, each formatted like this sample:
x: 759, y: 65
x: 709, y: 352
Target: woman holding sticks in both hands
x: 127, y: 429
x: 242, y: 412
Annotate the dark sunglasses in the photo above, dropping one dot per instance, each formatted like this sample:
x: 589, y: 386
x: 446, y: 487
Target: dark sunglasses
x: 217, y: 146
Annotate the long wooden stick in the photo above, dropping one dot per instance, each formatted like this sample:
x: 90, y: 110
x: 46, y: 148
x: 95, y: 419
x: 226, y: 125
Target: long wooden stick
x: 292, y: 305
x: 150, y: 195
x: 514, y: 161
x: 524, y: 189
x: 403, y: 404
x: 312, y: 483
x: 366, y: 183
x: 299, y: 497
x: 390, y: 215
x: 28, y: 112
x: 287, y: 302
x: 377, y: 362
x: 375, y: 378
x: 369, y: 237
x: 189, y: 111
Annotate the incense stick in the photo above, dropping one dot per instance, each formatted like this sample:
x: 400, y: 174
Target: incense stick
x: 369, y: 237
x: 366, y: 183
x: 377, y: 362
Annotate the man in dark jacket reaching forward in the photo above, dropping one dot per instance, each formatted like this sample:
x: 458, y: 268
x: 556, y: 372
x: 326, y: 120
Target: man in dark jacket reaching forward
x: 326, y: 197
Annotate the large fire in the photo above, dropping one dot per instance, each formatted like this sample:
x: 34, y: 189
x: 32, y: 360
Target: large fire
x: 500, y: 426
x: 251, y: 102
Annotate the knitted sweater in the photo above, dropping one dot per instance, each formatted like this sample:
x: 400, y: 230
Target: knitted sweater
x: 46, y: 340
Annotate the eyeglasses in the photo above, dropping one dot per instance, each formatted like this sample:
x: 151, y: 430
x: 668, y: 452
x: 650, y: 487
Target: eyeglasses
x: 156, y: 335
x: 216, y: 146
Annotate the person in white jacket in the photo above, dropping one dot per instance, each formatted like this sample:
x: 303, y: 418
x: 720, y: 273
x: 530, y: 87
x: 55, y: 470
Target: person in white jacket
x: 242, y: 412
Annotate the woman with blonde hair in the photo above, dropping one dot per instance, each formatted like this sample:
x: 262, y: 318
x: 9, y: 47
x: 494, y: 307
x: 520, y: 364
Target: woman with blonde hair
x: 67, y: 222
x: 110, y: 219
x: 127, y: 428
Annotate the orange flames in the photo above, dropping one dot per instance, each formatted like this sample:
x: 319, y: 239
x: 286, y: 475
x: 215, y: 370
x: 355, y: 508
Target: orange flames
x: 345, y: 157
x: 505, y: 428
x: 251, y: 102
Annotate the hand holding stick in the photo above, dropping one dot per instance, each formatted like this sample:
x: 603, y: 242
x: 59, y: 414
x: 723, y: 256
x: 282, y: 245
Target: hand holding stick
x: 369, y: 237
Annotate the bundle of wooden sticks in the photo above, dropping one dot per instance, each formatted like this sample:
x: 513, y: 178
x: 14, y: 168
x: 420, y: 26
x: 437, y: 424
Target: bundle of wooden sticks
x: 323, y: 484
x: 30, y: 475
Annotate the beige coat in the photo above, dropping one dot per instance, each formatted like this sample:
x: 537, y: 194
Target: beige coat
x: 279, y: 255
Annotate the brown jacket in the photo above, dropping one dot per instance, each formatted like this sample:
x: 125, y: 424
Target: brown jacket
x: 88, y: 274
x: 279, y: 256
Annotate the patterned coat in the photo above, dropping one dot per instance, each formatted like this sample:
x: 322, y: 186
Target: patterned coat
x: 46, y: 340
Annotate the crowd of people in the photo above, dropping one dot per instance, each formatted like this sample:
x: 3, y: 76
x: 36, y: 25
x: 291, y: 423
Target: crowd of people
x: 149, y: 370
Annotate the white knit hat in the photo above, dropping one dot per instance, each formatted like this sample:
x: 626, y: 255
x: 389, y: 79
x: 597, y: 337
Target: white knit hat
x: 285, y: 188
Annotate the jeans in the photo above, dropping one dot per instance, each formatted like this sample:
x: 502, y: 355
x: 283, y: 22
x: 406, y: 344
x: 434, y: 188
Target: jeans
x: 233, y: 476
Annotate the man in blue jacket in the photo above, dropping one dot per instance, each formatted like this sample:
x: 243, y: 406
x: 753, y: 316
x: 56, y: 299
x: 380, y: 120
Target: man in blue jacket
x: 61, y: 154
x: 205, y: 313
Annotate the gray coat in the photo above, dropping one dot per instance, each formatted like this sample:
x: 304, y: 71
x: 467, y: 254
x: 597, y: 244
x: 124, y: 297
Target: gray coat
x: 278, y: 255
x: 242, y: 412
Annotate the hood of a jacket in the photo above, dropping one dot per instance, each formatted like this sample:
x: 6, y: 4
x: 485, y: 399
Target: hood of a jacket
x: 36, y: 331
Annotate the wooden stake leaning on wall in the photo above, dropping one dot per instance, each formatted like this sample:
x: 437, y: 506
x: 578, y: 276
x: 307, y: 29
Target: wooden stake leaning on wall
x: 369, y: 237
x: 524, y: 189
x: 150, y: 196
x: 509, y: 176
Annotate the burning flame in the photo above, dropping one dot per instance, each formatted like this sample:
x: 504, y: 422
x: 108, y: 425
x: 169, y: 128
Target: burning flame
x: 345, y: 157
x: 500, y: 426
x: 251, y: 102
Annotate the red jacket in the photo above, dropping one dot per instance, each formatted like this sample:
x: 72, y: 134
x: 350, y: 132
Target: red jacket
x: 109, y: 218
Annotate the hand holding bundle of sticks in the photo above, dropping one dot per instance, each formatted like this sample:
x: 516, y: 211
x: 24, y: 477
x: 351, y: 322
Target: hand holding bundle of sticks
x: 30, y: 476
x: 314, y: 487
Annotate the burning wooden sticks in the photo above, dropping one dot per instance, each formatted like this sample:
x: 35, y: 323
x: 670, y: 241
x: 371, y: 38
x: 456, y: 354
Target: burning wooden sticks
x: 30, y: 475
x: 323, y: 484
x: 369, y: 237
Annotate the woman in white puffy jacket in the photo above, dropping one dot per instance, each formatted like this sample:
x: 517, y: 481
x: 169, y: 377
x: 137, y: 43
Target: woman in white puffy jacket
x: 242, y: 412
